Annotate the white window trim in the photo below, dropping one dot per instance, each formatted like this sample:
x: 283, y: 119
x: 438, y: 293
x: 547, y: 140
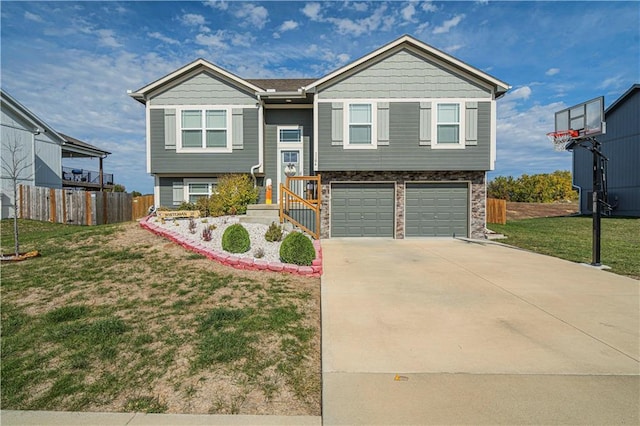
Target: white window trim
x: 287, y: 143
x: 186, y: 182
x: 346, y: 144
x: 434, y: 124
x: 228, y: 110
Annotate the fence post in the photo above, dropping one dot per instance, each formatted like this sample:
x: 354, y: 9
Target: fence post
x: 87, y: 207
x: 52, y: 205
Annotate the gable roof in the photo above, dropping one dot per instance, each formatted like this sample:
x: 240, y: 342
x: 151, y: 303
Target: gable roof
x: 622, y: 98
x: 36, y: 122
x: 499, y: 86
x: 141, y: 94
x: 81, y: 149
x: 304, y: 85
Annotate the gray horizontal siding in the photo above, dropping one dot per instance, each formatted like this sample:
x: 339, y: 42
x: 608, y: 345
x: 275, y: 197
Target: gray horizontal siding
x: 165, y: 161
x: 203, y: 89
x: 166, y: 190
x: 621, y: 145
x: 404, y: 75
x: 404, y: 153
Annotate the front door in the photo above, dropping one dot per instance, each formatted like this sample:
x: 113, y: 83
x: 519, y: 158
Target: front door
x: 290, y: 165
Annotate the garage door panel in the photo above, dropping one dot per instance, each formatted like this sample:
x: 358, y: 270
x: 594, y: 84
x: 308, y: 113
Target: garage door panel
x: 367, y: 209
x: 436, y: 209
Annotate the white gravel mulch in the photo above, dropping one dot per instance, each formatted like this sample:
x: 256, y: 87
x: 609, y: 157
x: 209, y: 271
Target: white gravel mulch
x: 256, y: 233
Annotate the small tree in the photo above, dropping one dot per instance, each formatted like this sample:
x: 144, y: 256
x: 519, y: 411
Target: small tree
x: 119, y: 188
x: 14, y: 165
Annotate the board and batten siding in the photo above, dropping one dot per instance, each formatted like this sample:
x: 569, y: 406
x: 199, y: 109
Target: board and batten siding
x: 404, y: 75
x: 203, y: 89
x: 165, y: 159
x: 404, y: 151
x: 621, y: 145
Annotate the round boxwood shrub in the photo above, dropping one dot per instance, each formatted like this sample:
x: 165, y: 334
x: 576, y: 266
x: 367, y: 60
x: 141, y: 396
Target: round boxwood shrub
x: 296, y: 248
x: 236, y: 239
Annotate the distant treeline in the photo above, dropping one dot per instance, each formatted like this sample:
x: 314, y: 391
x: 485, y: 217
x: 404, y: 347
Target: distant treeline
x: 540, y: 188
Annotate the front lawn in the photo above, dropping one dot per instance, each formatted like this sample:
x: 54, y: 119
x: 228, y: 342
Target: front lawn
x: 114, y: 318
x: 570, y: 238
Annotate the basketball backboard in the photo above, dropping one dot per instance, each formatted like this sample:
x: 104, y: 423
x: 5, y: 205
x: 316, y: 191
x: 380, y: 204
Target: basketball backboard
x: 586, y: 118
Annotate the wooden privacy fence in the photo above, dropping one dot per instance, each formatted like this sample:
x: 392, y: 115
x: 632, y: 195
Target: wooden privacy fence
x: 74, y: 207
x: 496, y: 211
x: 141, y: 206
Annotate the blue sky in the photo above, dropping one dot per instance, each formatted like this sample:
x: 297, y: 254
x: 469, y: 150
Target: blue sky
x: 72, y: 63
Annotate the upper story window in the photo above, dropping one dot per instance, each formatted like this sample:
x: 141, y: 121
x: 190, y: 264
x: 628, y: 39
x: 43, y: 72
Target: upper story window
x: 448, y: 123
x: 360, y: 126
x: 204, y: 130
x: 290, y: 135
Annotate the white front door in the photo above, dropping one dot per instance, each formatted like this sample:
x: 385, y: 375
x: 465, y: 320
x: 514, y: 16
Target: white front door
x: 290, y: 154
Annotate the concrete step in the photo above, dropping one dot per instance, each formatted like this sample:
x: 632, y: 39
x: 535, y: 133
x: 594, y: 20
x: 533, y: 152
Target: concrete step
x: 263, y: 210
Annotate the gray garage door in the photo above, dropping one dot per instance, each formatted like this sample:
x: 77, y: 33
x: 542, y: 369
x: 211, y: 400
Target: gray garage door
x: 437, y: 209
x: 362, y: 209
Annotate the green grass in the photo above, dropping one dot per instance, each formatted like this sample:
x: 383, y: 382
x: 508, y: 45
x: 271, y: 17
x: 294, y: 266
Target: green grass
x: 104, y: 315
x: 571, y: 238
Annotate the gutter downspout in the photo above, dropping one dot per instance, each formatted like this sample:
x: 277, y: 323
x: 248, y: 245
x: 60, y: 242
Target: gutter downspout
x: 253, y: 175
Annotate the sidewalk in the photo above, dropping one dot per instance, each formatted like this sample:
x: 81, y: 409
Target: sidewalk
x: 55, y: 418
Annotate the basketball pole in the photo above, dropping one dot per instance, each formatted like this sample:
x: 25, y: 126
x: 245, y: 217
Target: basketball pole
x: 595, y: 199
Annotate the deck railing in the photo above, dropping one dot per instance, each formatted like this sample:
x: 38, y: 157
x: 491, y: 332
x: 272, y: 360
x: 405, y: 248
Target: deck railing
x: 300, y: 203
x: 80, y: 177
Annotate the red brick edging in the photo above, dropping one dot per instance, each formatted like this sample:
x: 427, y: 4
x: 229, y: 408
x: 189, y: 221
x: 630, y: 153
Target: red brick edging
x: 315, y: 270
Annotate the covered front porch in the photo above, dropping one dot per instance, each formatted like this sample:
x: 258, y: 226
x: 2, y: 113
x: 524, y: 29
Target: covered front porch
x: 79, y: 177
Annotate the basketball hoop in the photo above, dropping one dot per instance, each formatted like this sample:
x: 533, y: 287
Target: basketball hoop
x: 561, y: 139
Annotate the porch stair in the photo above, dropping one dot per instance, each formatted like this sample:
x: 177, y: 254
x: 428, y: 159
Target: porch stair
x: 264, y: 214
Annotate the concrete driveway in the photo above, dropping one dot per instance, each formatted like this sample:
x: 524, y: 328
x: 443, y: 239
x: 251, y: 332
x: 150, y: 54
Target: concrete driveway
x: 455, y: 332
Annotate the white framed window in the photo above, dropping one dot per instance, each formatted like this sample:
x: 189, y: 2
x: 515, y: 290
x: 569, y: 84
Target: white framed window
x: 289, y: 134
x: 360, y: 126
x: 448, y: 125
x: 204, y: 130
x: 198, y: 188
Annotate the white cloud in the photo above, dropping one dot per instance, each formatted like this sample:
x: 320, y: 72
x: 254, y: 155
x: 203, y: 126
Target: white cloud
x: 361, y: 26
x: 107, y: 38
x: 212, y: 40
x: 255, y: 15
x: 428, y: 6
x: 408, y: 11
x: 192, y: 19
x: 448, y: 24
x: 360, y: 7
x: 163, y: 38
x: 312, y: 11
x: 453, y: 48
x: 288, y: 26
x: 32, y: 17
x: 552, y: 71
x: 245, y: 40
x: 523, y: 92
x: 612, y: 82
x: 217, y: 4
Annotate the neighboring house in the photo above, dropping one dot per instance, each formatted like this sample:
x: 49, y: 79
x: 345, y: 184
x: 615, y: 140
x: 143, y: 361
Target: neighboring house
x: 621, y: 146
x: 403, y: 138
x: 40, y: 149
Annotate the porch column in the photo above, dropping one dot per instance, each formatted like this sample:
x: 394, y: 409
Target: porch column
x: 101, y: 176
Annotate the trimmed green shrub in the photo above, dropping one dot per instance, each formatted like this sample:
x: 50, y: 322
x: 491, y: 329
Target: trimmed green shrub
x: 185, y: 205
x: 274, y: 233
x: 296, y: 248
x: 236, y: 239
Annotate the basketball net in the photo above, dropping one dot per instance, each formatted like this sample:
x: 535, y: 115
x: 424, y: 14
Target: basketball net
x: 561, y: 139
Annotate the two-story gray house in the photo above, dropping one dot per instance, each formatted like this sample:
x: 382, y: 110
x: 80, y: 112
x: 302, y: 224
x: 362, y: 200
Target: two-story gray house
x: 621, y: 146
x: 403, y: 138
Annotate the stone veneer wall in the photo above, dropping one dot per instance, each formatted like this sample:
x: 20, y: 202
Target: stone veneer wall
x: 478, y: 194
